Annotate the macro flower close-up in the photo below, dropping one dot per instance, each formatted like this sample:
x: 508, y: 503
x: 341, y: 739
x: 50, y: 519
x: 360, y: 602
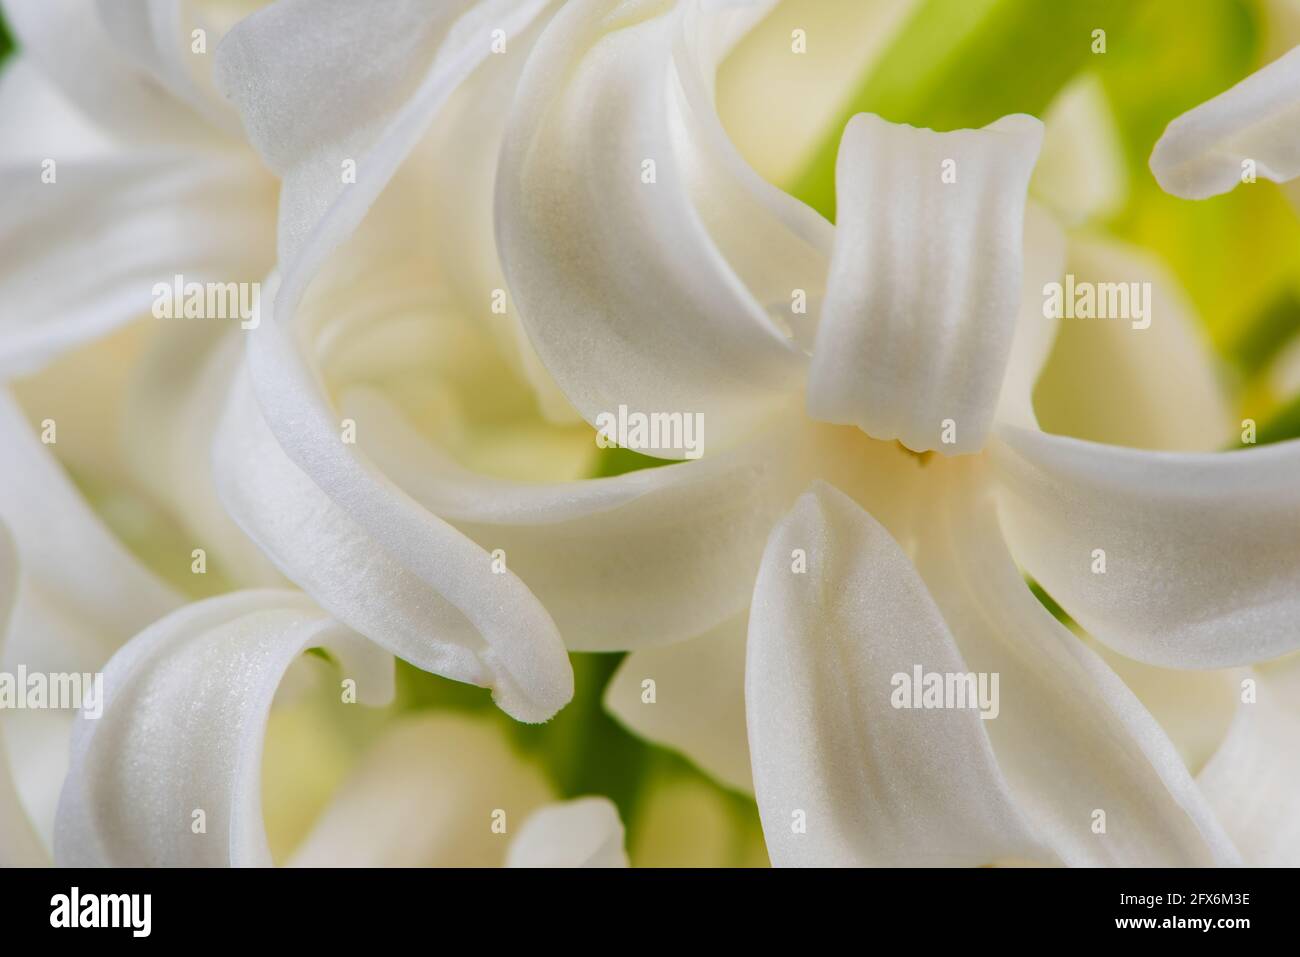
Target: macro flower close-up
x: 650, y: 433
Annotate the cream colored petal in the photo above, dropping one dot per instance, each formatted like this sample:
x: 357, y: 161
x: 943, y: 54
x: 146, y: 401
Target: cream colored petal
x: 1147, y: 378
x: 585, y: 832
x: 436, y: 790
x: 844, y: 777
x: 690, y: 696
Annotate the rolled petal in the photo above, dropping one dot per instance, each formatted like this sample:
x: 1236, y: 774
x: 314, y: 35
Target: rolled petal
x: 386, y: 567
x: 1182, y: 560
x: 1207, y: 150
x: 19, y: 845
x: 925, y: 280
x: 436, y: 790
x: 842, y: 776
x: 690, y: 696
x: 651, y: 267
x: 184, y: 716
x: 1253, y: 780
x: 1089, y: 766
x: 586, y: 832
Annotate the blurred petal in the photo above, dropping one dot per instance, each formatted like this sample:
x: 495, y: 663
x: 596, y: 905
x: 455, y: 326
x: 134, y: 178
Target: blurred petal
x: 1069, y: 736
x: 651, y: 267
x: 1107, y: 381
x: 64, y: 547
x: 1080, y: 174
x: 19, y: 845
x: 158, y: 37
x: 186, y: 704
x: 1202, y: 559
x: 582, y: 833
x: 1253, y: 781
x: 84, y: 252
x: 775, y: 106
x: 174, y: 406
x: 428, y: 794
x: 39, y: 120
x: 102, y: 71
x: 1202, y: 152
x: 874, y: 784
x: 925, y: 280
x: 698, y: 707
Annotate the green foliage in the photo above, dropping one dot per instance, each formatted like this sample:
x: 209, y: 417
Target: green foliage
x: 964, y: 63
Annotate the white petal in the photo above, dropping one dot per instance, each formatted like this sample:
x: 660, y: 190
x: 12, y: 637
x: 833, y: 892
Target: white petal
x: 875, y: 785
x: 650, y: 266
x: 1202, y: 555
x: 925, y: 280
x: 1069, y: 736
x: 586, y: 832
x: 698, y: 706
x: 428, y: 794
x: 1148, y: 382
x: 19, y: 845
x: 186, y: 705
x: 87, y: 250
x: 382, y: 564
x: 643, y: 558
x: 1253, y: 781
x: 1202, y: 153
